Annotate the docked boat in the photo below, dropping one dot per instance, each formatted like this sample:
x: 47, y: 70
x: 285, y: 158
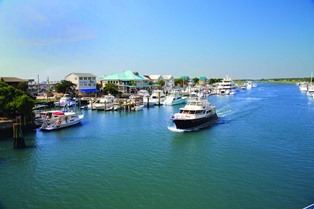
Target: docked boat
x: 137, y: 107
x: 197, y: 113
x: 58, y: 119
x: 303, y: 86
x: 156, y: 98
x: 106, y: 102
x: 66, y: 100
x: 174, y: 98
x: 226, y: 87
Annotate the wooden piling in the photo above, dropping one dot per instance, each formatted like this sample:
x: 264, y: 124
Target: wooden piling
x: 18, y: 140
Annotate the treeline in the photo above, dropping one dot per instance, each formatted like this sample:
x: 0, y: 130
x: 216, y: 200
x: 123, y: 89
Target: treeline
x: 287, y: 80
x: 15, y: 102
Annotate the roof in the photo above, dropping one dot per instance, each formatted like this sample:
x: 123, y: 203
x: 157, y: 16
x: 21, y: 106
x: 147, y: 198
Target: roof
x: 125, y: 76
x: 81, y: 74
x: 13, y: 80
x: 154, y: 77
x: 185, y: 77
x: 167, y: 77
x: 202, y: 78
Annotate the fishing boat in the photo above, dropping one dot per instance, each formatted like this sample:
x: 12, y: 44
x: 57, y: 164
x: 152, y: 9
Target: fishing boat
x: 197, y: 113
x: 174, y: 98
x: 156, y: 98
x: 137, y: 107
x: 66, y: 100
x: 106, y: 102
x: 57, y: 119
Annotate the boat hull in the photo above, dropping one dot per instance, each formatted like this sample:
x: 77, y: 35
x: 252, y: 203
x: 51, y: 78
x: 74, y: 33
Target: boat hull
x: 62, y: 125
x: 193, y: 123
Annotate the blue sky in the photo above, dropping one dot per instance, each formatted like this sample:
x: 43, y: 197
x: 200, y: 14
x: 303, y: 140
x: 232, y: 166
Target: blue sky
x: 241, y: 38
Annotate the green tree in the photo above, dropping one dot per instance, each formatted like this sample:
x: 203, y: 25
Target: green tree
x: 178, y: 82
x: 133, y: 83
x: 23, y: 86
x: 65, y: 87
x: 161, y: 82
x: 195, y: 80
x: 15, y: 102
x: 111, y: 88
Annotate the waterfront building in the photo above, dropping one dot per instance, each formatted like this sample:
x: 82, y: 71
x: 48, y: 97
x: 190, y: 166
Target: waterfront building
x: 125, y: 81
x: 13, y: 81
x: 85, y: 82
x: 202, y: 80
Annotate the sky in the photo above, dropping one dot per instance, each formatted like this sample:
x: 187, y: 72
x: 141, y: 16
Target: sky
x: 244, y: 39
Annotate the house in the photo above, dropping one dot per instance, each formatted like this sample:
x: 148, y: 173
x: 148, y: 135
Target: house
x: 13, y: 81
x: 85, y: 82
x: 169, y: 82
x: 155, y: 78
x: 202, y: 80
x: 125, y: 80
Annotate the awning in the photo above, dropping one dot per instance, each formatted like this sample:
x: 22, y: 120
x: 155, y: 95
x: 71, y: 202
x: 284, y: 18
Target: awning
x: 89, y: 90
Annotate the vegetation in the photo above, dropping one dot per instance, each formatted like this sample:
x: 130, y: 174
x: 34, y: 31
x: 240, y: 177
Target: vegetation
x: 111, y: 88
x: 15, y: 102
x: 66, y: 87
x: 195, y: 80
x: 178, y: 82
x: 161, y: 82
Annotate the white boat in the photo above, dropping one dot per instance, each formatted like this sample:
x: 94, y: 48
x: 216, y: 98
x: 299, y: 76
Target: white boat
x: 66, y: 100
x: 106, y: 102
x: 197, y: 113
x: 174, y: 98
x: 143, y: 93
x: 58, y: 119
x: 137, y: 107
x: 310, y: 87
x: 156, y: 98
x: 226, y: 87
x: 303, y: 86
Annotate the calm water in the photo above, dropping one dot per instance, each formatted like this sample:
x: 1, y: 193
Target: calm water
x: 259, y: 155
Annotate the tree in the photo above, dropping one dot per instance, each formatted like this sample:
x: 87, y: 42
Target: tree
x: 15, y: 102
x: 23, y: 86
x: 161, y: 82
x: 178, y: 82
x: 111, y: 88
x: 65, y: 87
x: 195, y: 80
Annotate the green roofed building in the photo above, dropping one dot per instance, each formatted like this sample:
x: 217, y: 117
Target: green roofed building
x: 202, y: 80
x: 125, y: 80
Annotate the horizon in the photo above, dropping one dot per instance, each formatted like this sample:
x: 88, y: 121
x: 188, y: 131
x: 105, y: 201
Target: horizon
x: 243, y: 39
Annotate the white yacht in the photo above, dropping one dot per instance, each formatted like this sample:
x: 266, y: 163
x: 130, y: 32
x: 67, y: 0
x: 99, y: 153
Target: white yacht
x: 226, y: 87
x: 197, y: 113
x: 156, y: 98
x: 58, y: 119
x: 303, y: 86
x: 66, y: 100
x: 174, y: 98
x: 106, y: 102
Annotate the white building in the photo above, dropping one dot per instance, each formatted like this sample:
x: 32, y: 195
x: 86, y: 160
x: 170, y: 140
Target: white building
x: 85, y: 82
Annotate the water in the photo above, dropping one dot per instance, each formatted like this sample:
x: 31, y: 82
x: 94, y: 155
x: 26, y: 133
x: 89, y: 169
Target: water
x: 260, y: 154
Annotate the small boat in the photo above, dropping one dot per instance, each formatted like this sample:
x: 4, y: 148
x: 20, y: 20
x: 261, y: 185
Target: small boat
x: 107, y: 102
x: 174, y: 98
x: 66, y: 100
x: 197, y: 113
x: 58, y: 119
x: 156, y: 98
x: 137, y: 107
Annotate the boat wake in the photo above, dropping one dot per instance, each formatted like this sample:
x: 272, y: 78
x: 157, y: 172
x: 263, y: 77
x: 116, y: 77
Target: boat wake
x: 173, y: 128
